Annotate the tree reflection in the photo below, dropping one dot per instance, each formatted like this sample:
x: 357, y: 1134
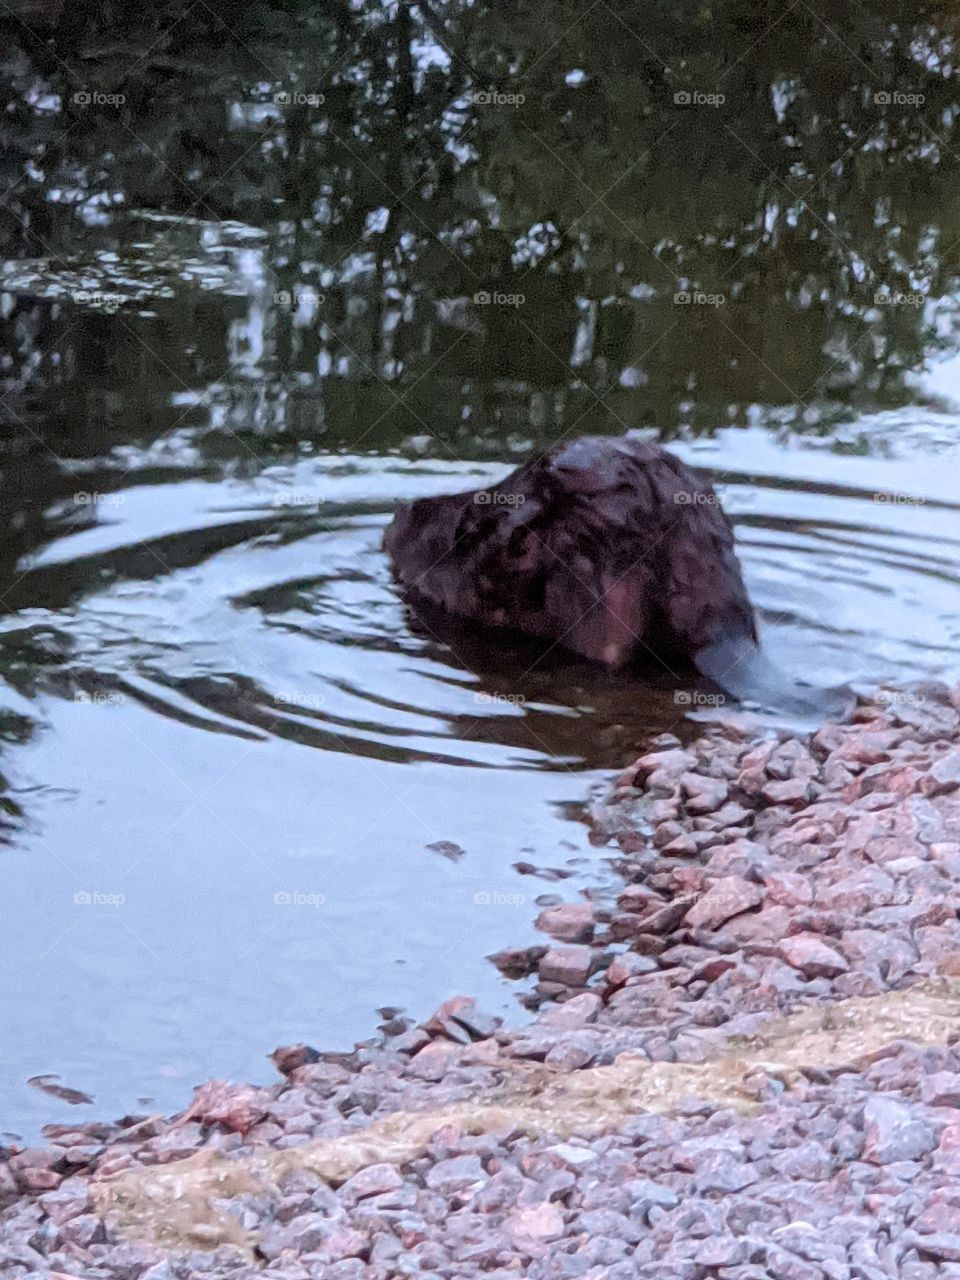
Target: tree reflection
x: 481, y: 220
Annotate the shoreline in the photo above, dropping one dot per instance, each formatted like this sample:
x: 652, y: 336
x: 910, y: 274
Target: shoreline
x: 741, y: 1064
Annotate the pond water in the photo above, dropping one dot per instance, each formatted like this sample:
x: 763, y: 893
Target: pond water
x: 235, y: 337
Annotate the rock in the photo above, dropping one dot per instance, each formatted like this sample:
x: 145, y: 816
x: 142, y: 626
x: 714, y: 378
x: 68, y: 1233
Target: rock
x: 721, y: 1251
x: 578, y: 1012
x: 629, y: 965
x: 570, y: 965
x: 944, y: 775
x: 371, y: 1181
x: 288, y: 1058
x: 704, y: 794
x: 941, y: 1089
x: 790, y: 759
x: 788, y: 888
x: 568, y: 922
x: 811, y: 955
x: 795, y: 792
x: 534, y: 1226
x: 517, y: 962
x: 674, y: 760
x: 83, y: 1230
x: 893, y: 1131
x: 574, y: 1157
x: 719, y: 1171
x: 940, y: 1244
x: 237, y: 1107
x: 433, y: 1061
x: 71, y: 1199
x: 725, y: 898
x: 456, y: 1176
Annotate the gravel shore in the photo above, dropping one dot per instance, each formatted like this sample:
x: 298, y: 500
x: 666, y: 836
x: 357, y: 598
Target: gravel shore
x: 743, y: 1063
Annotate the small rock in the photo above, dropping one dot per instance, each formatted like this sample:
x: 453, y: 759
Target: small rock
x: 567, y: 922
x: 575, y: 1157
x: 945, y: 774
x: 941, y: 1089
x: 372, y: 1181
x: 570, y: 965
x: 811, y: 955
x: 456, y: 1176
x: 629, y: 965
x: 725, y: 898
x: 794, y: 792
x: 893, y: 1131
x: 534, y: 1226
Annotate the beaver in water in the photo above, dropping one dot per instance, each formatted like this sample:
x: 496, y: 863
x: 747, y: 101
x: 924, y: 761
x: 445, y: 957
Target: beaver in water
x: 609, y: 547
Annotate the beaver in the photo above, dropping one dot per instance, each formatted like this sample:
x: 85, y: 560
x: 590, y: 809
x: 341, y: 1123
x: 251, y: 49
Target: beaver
x: 609, y: 547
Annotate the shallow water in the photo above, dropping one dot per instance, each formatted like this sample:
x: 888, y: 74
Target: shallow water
x: 288, y: 748
x: 231, y: 746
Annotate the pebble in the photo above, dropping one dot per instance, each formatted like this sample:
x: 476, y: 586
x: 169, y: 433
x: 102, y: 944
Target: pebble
x: 760, y: 873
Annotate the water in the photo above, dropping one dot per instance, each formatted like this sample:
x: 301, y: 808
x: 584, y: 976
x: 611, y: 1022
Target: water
x: 230, y: 746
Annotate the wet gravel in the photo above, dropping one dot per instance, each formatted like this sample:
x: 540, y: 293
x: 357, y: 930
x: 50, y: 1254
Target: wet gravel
x: 759, y: 874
